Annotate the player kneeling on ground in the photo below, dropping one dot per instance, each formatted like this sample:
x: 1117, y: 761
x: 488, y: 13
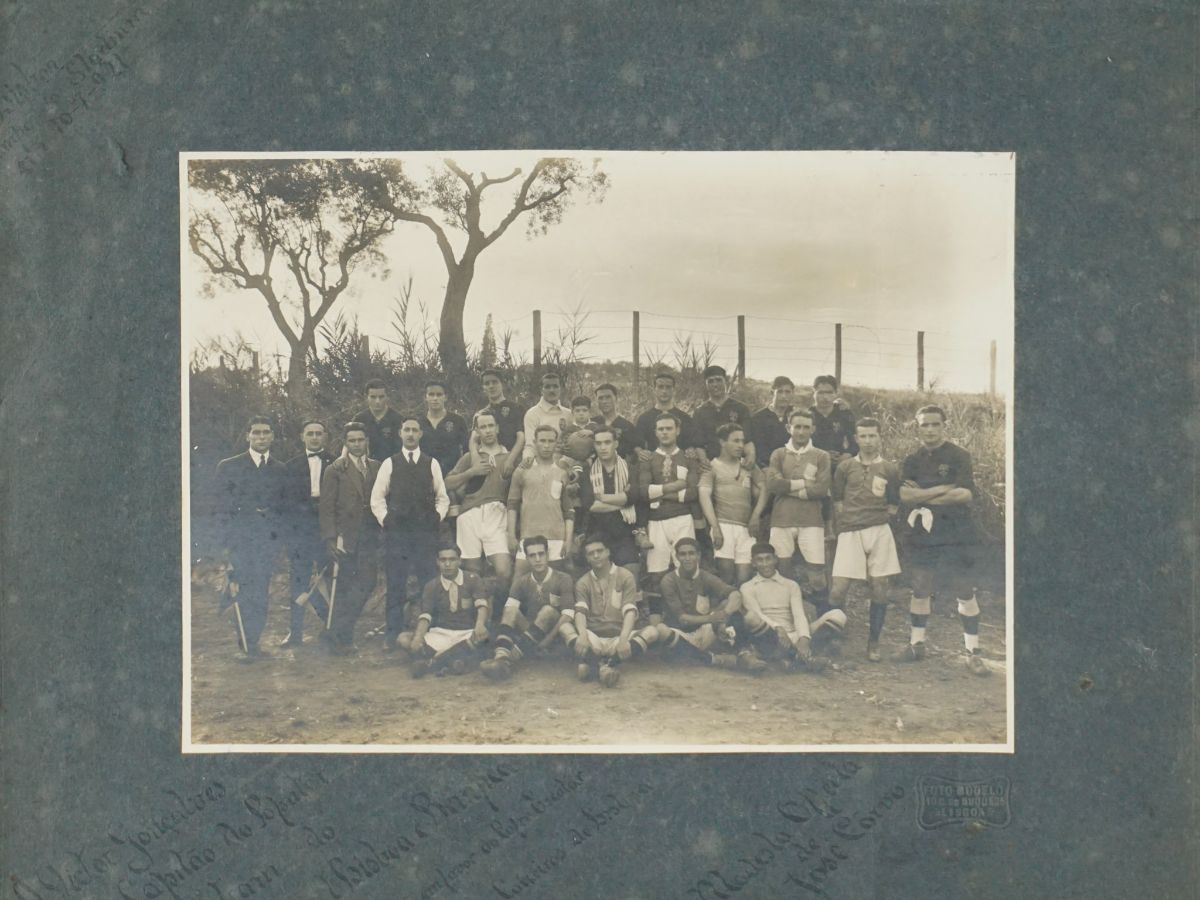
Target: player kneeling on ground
x: 453, y: 620
x: 602, y: 633
x: 774, y: 613
x: 866, y: 494
x: 699, y: 606
x: 538, y: 602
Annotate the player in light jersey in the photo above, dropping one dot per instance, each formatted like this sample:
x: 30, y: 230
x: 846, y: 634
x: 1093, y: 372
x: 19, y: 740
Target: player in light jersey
x: 733, y: 495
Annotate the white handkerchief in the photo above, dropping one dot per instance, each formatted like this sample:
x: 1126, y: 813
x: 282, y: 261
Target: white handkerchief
x: 810, y: 471
x: 924, y: 514
x: 878, y: 485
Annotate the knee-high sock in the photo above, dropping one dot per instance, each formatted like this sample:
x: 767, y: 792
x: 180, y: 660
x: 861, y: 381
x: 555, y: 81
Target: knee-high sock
x: 877, y: 614
x: 919, y: 607
x: 968, y: 613
x: 680, y: 648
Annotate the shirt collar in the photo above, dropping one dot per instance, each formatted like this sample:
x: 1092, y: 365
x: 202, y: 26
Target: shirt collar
x: 446, y: 584
x: 761, y: 579
x: 877, y: 459
x: 792, y: 448
x: 416, y: 455
x: 662, y: 452
x: 259, y: 458
x: 596, y: 577
x: 546, y: 406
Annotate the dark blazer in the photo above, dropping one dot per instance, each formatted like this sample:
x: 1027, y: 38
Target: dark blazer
x: 346, y: 502
x: 299, y: 490
x: 246, y: 500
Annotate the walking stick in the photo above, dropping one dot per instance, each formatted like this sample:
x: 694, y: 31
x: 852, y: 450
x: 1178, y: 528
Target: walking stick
x: 302, y: 599
x: 333, y: 585
x: 228, y: 599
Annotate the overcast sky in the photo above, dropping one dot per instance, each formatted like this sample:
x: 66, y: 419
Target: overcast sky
x: 885, y: 243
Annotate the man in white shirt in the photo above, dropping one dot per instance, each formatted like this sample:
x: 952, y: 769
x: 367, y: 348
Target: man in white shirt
x: 409, y: 500
x: 547, y: 411
x: 773, y: 610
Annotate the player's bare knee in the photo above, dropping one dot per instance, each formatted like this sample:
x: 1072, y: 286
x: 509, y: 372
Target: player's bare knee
x: 546, y: 618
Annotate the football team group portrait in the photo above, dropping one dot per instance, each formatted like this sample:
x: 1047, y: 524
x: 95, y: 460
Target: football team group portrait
x: 752, y: 494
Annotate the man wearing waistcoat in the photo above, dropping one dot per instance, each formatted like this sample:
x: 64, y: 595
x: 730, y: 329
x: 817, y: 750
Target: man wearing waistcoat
x: 409, y: 501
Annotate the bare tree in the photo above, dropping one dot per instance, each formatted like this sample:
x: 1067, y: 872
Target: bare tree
x: 452, y: 200
x: 317, y: 220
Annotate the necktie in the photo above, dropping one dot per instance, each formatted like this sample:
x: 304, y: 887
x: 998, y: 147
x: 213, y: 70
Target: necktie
x: 362, y: 466
x: 409, y: 454
x: 262, y: 463
x: 452, y: 591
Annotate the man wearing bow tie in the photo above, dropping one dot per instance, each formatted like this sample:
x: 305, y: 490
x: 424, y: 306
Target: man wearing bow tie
x: 305, y: 471
x: 249, y: 498
x: 409, y: 500
x: 349, y: 532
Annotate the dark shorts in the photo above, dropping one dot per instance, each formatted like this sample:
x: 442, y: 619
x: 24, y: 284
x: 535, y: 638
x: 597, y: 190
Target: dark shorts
x: 951, y: 568
x: 617, y: 535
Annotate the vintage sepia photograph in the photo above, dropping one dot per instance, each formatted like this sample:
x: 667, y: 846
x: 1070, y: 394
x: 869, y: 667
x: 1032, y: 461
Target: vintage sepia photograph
x: 597, y: 451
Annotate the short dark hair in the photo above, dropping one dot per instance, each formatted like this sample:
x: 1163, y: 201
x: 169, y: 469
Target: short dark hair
x: 727, y: 430
x: 550, y: 373
x: 483, y: 412
x: 781, y: 381
x: 762, y: 547
x: 374, y: 384
x: 931, y: 408
x: 825, y: 379
x: 687, y: 542
x: 353, y: 426
x: 495, y: 372
x: 666, y: 415
x: 607, y: 387
x: 541, y: 428
x: 712, y: 371
x: 799, y: 411
x: 581, y: 401
x: 535, y: 541
x: 603, y: 429
x: 259, y: 420
x: 595, y: 539
x: 664, y: 376
x: 411, y: 417
x: 443, y: 546
x: 308, y: 422
x: 867, y: 422
x: 436, y: 382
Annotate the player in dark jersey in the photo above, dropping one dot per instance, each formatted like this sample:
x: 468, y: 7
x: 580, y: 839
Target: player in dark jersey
x: 537, y: 604
x: 936, y: 493
x: 720, y: 408
x: 453, y: 621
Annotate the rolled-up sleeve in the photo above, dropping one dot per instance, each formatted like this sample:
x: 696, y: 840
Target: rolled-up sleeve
x: 379, y: 491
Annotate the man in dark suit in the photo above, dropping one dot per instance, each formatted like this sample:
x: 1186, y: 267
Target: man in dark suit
x: 305, y: 550
x: 350, y: 533
x: 249, y: 498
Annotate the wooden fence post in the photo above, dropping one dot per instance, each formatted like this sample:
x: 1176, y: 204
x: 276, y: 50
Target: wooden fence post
x: 637, y: 362
x: 741, y: 359
x: 837, y: 353
x: 992, y: 371
x: 920, y: 360
x: 537, y: 340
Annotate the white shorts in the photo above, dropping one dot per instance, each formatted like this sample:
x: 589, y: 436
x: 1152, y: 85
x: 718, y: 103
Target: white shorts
x: 483, y: 531
x: 555, y: 549
x: 663, y: 534
x: 607, y: 646
x: 735, y: 543
x: 868, y: 551
x: 809, y: 538
x: 702, y: 638
x: 442, y: 639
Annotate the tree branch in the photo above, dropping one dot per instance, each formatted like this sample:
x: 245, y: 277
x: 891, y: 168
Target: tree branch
x: 518, y: 204
x: 488, y: 182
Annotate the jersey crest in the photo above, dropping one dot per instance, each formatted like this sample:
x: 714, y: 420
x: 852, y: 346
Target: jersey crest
x: 943, y: 470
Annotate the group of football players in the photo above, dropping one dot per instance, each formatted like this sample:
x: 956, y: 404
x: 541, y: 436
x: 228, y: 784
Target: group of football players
x: 570, y: 529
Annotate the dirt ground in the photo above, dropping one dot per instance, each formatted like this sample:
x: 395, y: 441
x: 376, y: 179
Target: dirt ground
x: 306, y: 696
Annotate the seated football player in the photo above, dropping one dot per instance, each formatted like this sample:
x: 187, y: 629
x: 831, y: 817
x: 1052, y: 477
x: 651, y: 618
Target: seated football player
x: 603, y: 632
x: 773, y: 610
x: 538, y: 602
x: 699, y: 606
x: 453, y: 621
